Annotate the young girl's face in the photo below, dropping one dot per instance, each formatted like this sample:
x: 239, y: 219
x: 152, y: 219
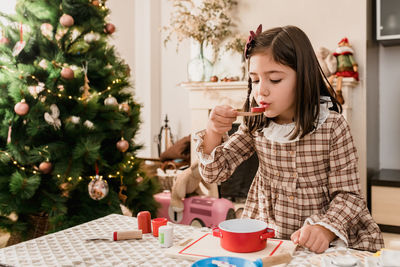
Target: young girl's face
x: 273, y: 87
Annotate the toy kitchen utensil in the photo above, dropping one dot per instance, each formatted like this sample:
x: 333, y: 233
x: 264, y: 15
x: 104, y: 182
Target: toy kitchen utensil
x: 239, y: 262
x: 243, y: 235
x: 157, y: 222
x: 165, y: 236
x: 144, y: 221
x: 120, y: 235
x: 254, y: 111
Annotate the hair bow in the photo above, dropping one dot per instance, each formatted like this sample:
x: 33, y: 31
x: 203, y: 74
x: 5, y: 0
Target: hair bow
x: 250, y: 40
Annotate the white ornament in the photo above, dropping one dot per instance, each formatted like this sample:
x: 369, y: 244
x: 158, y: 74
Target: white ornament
x: 52, y: 118
x: 75, y: 68
x: 43, y: 64
x: 110, y: 101
x: 42, y: 98
x: 75, y: 119
x: 75, y: 34
x: 19, y: 46
x: 60, y: 33
x: 98, y: 188
x: 89, y: 124
x: 91, y: 37
x: 47, y: 30
x: 34, y: 90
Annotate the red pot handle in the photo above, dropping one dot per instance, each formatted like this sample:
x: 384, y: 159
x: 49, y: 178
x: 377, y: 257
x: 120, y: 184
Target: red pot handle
x: 217, y: 232
x: 269, y: 234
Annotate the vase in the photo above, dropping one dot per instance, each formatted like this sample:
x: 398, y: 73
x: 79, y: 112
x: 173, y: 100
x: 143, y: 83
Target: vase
x: 199, y: 68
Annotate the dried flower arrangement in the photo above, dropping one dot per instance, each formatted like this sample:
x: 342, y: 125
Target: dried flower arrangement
x: 237, y: 44
x: 206, y: 21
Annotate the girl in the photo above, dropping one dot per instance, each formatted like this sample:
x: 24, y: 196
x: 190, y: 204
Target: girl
x: 307, y: 186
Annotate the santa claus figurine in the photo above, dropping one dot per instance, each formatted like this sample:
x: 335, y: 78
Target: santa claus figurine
x: 346, y: 66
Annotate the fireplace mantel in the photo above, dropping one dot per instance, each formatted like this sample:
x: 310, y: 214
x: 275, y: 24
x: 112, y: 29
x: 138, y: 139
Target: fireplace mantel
x: 206, y: 95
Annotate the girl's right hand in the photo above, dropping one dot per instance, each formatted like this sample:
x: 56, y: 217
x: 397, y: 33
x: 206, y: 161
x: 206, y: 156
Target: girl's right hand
x: 221, y: 120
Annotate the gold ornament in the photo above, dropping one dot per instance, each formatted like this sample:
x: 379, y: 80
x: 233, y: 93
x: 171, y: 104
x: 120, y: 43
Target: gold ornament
x: 121, y: 196
x: 124, y: 107
x: 86, y: 88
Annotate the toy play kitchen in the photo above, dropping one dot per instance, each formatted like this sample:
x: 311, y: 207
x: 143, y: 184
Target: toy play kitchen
x: 243, y: 235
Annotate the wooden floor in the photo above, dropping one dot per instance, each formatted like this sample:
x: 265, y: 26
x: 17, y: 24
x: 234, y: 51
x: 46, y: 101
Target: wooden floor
x: 391, y: 240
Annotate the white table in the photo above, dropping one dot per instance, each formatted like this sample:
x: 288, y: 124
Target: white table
x: 70, y: 248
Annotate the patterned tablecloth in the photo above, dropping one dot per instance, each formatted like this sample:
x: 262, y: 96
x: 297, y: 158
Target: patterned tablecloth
x: 70, y: 248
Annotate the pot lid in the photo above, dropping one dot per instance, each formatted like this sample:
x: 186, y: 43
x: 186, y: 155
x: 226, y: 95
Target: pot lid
x: 242, y: 225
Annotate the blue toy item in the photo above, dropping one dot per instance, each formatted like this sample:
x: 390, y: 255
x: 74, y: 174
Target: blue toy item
x: 224, y: 261
x: 239, y: 262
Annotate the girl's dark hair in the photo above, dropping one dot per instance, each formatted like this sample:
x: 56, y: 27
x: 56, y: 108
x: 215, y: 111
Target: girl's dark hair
x: 290, y: 46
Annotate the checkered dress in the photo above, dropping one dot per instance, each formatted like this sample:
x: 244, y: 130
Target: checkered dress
x: 312, y: 180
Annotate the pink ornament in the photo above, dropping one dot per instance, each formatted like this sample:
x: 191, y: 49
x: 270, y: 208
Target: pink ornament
x: 45, y: 167
x: 67, y: 73
x: 4, y: 40
x: 21, y: 108
x: 66, y: 20
x: 122, y: 145
x: 110, y: 28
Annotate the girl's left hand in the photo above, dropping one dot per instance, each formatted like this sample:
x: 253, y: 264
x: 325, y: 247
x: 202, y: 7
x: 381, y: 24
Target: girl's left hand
x: 314, y: 237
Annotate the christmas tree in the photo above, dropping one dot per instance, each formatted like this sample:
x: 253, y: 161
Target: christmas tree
x: 67, y: 125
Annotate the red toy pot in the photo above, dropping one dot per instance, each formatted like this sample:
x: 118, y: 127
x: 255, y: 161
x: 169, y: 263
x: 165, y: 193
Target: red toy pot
x: 243, y: 235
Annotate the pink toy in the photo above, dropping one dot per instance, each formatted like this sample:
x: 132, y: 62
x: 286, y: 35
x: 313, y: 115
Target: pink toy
x: 198, y: 210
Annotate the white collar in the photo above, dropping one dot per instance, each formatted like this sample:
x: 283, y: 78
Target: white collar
x: 281, y: 132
